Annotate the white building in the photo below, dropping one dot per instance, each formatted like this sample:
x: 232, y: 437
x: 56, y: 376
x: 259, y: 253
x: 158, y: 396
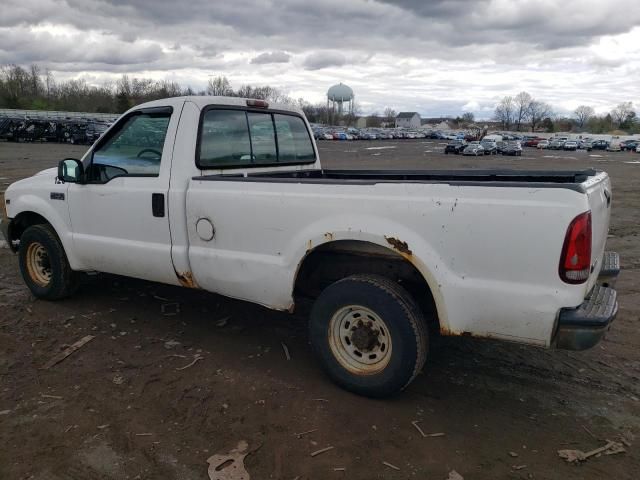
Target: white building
x: 408, y: 120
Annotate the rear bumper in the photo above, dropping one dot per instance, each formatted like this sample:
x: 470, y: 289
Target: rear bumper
x: 583, y: 327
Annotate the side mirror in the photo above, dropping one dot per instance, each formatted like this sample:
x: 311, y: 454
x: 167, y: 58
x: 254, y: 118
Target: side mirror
x: 70, y: 170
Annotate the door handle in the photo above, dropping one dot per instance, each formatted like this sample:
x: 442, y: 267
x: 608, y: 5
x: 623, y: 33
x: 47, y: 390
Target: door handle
x: 157, y: 204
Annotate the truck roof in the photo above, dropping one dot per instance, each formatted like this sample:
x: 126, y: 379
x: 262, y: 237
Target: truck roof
x: 202, y: 101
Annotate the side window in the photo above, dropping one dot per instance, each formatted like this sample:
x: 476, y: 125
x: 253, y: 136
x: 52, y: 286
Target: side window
x: 133, y: 149
x: 238, y: 138
x: 224, y: 138
x: 294, y: 143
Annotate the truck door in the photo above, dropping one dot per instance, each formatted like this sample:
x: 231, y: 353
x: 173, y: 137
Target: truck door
x: 119, y: 216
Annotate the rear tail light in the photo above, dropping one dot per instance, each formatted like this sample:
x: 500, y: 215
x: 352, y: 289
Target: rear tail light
x: 575, y: 261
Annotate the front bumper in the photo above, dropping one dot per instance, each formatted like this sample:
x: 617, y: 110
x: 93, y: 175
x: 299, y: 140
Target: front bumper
x: 583, y: 327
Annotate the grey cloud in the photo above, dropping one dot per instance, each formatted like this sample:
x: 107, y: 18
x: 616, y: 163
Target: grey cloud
x: 271, y: 57
x: 548, y: 27
x: 319, y: 60
x: 28, y: 47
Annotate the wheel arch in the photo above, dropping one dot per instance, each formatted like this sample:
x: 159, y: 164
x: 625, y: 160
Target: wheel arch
x: 20, y: 223
x: 32, y: 210
x: 334, y: 259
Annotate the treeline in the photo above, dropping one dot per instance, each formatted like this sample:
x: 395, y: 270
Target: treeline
x: 36, y: 89
x: 523, y: 112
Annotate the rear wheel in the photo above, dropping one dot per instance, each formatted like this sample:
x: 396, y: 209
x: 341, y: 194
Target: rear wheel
x: 369, y: 335
x: 44, y: 265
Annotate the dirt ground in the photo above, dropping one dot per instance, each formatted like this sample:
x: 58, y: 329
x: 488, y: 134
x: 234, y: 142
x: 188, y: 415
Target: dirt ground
x: 125, y: 407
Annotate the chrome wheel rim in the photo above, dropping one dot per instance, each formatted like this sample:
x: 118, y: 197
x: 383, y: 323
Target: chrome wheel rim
x: 38, y: 264
x: 360, y: 340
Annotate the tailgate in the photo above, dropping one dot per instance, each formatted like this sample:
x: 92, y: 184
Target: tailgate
x: 598, y: 189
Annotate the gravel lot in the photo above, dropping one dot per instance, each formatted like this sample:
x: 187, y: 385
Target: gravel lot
x: 124, y: 406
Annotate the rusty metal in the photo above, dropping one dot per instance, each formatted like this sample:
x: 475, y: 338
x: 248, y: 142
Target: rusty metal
x: 329, y: 236
x: 399, y: 245
x: 186, y: 279
x: 38, y: 264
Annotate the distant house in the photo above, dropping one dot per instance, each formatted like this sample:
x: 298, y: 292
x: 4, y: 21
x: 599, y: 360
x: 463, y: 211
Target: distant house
x: 408, y: 120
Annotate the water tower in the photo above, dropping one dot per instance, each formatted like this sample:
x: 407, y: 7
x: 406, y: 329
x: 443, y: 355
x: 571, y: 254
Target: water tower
x: 340, y: 98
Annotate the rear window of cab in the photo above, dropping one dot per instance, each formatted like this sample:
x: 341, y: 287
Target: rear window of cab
x: 234, y: 138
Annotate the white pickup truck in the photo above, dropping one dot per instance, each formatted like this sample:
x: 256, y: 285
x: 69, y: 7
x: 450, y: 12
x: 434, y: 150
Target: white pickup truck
x: 228, y: 195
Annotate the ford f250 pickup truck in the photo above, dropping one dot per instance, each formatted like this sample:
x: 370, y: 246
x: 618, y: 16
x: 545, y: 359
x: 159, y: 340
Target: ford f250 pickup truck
x: 228, y: 195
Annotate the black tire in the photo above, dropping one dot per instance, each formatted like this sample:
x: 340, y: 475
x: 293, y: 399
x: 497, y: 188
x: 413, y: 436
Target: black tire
x: 61, y: 281
x: 404, y: 322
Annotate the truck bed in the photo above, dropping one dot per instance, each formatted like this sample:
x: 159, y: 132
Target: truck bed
x: 572, y: 180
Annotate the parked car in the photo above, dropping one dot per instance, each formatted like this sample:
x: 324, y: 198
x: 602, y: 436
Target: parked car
x: 570, y: 145
x: 597, y: 145
x: 556, y: 144
x: 455, y: 146
x: 490, y: 147
x: 629, y: 145
x: 638, y: 149
x: 473, y: 148
x: 531, y: 141
x: 339, y: 136
x: 367, y: 136
x: 512, y: 148
x: 542, y: 144
x: 258, y: 219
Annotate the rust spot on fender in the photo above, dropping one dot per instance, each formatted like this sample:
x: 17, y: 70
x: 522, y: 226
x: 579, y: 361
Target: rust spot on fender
x: 309, y: 246
x: 328, y: 236
x: 459, y: 333
x: 399, y: 245
x: 186, y: 280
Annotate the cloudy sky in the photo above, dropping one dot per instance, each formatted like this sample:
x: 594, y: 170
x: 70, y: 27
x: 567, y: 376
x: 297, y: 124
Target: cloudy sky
x: 437, y: 57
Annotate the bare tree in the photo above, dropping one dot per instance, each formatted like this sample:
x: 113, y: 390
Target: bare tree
x: 537, y: 112
x: 583, y: 113
x: 622, y: 112
x: 389, y: 115
x: 468, y: 117
x: 219, y: 87
x: 504, y: 112
x: 522, y: 103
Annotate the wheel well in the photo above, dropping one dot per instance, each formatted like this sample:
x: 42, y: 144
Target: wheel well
x: 335, y: 260
x: 23, y: 221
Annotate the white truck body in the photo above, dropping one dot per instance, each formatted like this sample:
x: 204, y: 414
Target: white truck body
x: 488, y: 245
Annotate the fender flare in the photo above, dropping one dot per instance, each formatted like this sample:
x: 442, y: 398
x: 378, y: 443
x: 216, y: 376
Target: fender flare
x: 399, y: 244
x: 29, y: 203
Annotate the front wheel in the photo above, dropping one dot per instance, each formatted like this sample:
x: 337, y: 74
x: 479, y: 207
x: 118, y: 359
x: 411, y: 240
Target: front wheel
x: 369, y: 335
x: 44, y: 265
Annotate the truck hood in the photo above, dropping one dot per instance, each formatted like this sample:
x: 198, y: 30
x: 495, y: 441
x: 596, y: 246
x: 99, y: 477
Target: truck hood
x: 47, y: 171
x: 45, y: 177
